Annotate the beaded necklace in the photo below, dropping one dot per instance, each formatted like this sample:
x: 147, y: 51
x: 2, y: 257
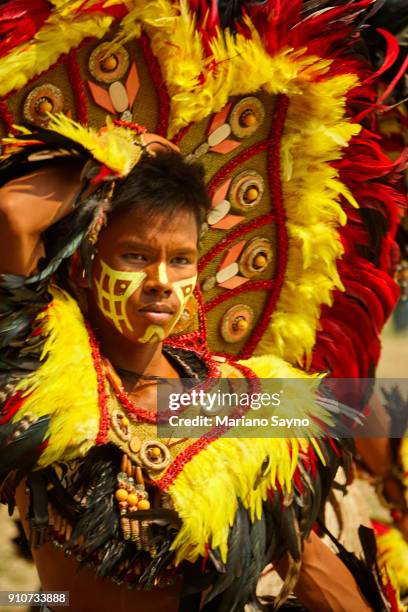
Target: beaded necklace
x: 105, y: 372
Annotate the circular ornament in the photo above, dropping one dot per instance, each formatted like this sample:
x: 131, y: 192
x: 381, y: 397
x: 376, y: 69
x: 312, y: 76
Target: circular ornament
x: 246, y: 117
x: 246, y: 190
x: 108, y: 65
x: 256, y: 257
x: 155, y: 455
x: 120, y: 424
x: 236, y: 323
x: 41, y: 100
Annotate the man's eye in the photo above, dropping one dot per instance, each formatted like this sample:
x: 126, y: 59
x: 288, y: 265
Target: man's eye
x: 137, y: 257
x: 181, y: 261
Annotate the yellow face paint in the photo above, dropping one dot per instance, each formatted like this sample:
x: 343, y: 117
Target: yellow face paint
x: 184, y: 290
x: 114, y: 288
x: 163, y: 278
x: 154, y: 333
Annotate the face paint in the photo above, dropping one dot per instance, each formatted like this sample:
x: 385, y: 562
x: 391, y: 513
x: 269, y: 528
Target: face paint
x: 154, y: 333
x: 113, y: 300
x: 163, y: 278
x: 184, y: 290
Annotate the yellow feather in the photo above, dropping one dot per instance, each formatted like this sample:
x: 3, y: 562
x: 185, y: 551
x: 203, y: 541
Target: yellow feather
x: 207, y: 491
x: 65, y: 385
x: 404, y: 462
x: 59, y: 34
x: 315, y: 134
x: 393, y: 552
x: 119, y: 148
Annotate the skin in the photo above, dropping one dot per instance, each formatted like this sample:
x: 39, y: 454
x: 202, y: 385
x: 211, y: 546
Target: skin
x: 166, y: 253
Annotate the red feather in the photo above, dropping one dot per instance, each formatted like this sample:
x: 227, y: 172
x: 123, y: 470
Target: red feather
x: 20, y: 21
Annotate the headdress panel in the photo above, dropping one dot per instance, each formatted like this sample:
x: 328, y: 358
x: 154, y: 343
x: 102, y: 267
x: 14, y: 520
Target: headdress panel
x: 272, y: 105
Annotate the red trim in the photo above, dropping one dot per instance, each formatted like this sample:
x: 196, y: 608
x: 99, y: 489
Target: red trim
x: 102, y: 395
x: 179, y: 137
x: 249, y: 286
x: 281, y: 253
x: 226, y: 170
x: 146, y: 416
x: 6, y: 117
x: 104, y: 374
x: 131, y: 125
x: 77, y: 83
x: 159, y: 85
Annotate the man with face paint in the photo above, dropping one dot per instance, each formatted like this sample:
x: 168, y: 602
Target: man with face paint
x: 133, y: 276
x: 141, y: 272
x: 144, y: 263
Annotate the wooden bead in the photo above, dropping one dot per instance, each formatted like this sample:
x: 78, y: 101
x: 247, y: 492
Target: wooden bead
x: 44, y: 107
x: 135, y: 529
x: 139, y: 475
x: 260, y: 261
x: 251, y: 194
x: 109, y: 64
x: 121, y: 495
x: 124, y: 463
x: 125, y: 524
x: 144, y: 504
x: 248, y: 119
x: 241, y: 325
x: 132, y: 499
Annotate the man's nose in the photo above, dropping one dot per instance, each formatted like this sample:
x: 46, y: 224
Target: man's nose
x: 157, y: 282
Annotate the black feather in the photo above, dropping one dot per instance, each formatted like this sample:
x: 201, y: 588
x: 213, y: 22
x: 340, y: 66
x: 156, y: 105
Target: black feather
x: 21, y: 451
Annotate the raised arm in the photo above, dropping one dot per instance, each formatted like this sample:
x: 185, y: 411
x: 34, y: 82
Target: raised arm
x: 28, y: 206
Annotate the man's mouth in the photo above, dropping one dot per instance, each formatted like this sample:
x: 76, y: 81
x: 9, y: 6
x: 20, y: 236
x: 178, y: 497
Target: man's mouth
x: 157, y: 312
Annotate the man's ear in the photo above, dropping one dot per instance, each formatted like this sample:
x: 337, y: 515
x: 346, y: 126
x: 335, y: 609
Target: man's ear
x: 77, y: 273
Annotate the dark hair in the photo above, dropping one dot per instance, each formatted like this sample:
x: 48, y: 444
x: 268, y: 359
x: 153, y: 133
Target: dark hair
x: 164, y: 183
